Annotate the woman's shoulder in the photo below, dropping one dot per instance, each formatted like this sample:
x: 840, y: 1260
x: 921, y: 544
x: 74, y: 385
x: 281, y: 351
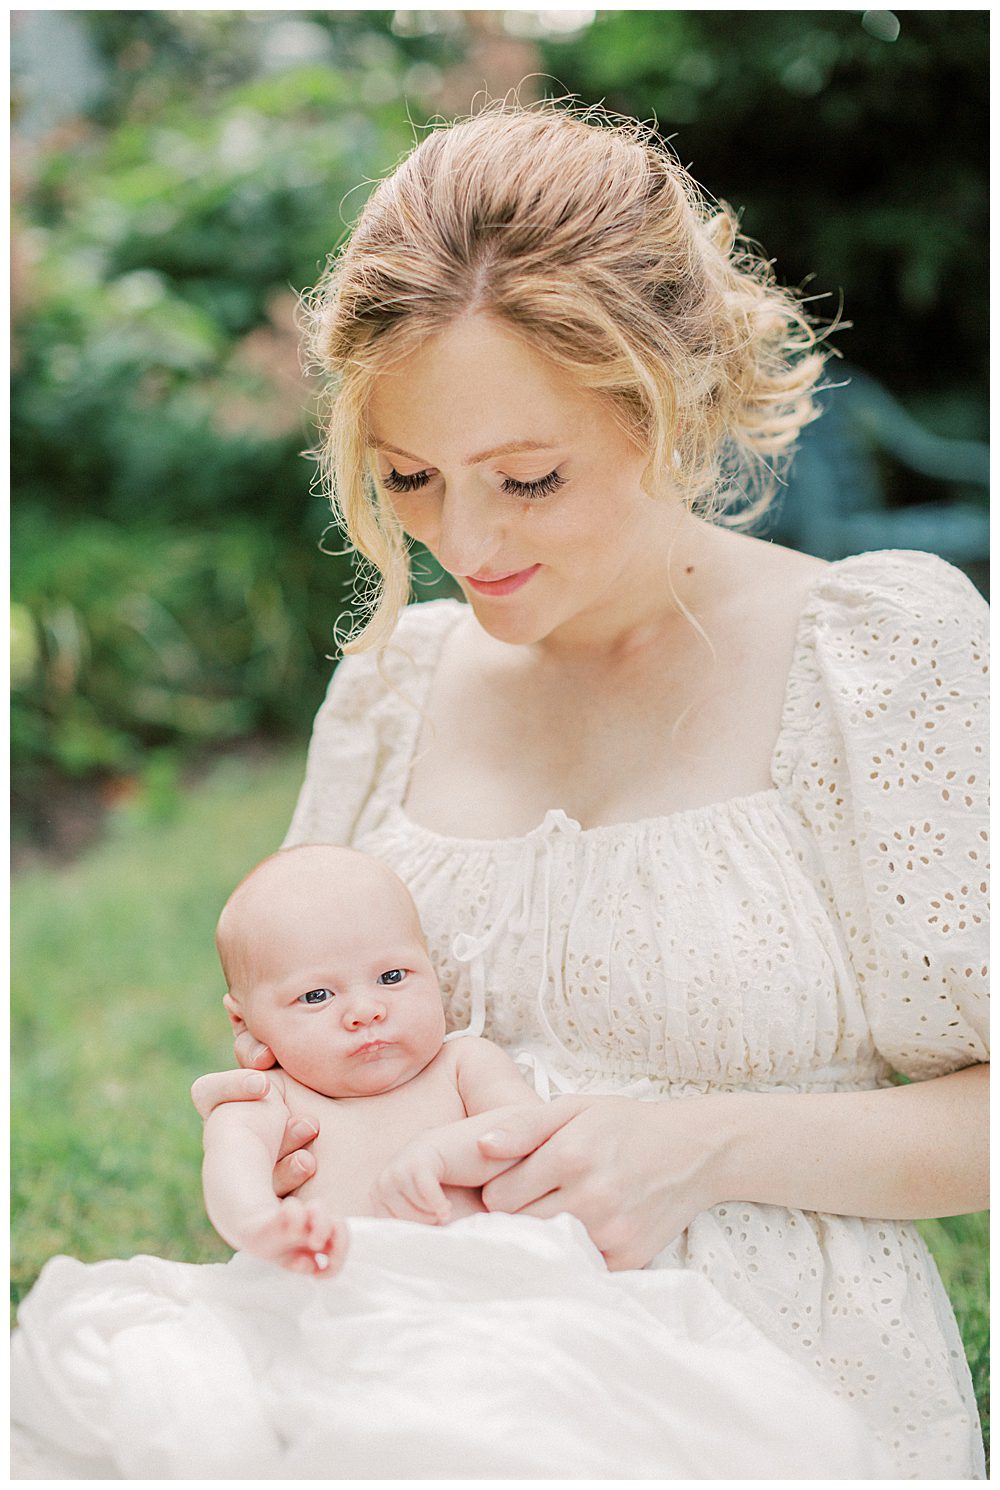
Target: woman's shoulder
x: 412, y: 652
x: 887, y: 620
x: 903, y: 582
x: 886, y: 639
x: 366, y: 728
x: 423, y: 626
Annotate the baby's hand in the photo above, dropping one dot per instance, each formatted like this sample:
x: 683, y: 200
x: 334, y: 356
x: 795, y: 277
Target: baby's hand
x: 301, y: 1235
x: 410, y: 1187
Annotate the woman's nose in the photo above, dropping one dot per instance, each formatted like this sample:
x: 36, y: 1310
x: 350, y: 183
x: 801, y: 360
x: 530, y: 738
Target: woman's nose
x: 468, y: 532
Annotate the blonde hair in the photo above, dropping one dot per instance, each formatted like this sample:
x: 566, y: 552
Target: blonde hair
x: 585, y: 235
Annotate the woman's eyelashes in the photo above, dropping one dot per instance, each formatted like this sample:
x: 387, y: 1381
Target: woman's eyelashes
x: 533, y: 489
x: 397, y: 483
x: 528, y: 490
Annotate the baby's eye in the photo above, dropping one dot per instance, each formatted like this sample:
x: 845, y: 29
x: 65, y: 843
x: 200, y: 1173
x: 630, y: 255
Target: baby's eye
x: 315, y: 996
x: 394, y: 975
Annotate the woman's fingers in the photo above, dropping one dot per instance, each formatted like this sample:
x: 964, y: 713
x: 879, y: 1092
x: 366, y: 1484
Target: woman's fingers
x: 521, y: 1130
x: 526, y: 1131
x: 295, y: 1164
x: 298, y: 1132
x: 251, y: 1054
x: 549, y: 1168
x: 291, y: 1172
x: 525, y: 1184
x: 227, y: 1086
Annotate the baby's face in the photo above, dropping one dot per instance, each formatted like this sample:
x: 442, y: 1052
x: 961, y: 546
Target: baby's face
x: 342, y: 989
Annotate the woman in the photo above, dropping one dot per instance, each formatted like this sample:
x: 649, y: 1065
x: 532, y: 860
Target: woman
x: 704, y: 813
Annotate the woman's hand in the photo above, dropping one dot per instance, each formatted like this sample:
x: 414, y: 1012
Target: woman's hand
x: 249, y: 1052
x: 295, y: 1163
x: 635, y: 1173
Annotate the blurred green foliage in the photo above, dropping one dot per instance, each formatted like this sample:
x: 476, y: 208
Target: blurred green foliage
x: 856, y: 145
x: 168, y: 584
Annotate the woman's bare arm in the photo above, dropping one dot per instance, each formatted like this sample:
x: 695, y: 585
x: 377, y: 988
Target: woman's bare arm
x: 636, y: 1173
x: 900, y: 1153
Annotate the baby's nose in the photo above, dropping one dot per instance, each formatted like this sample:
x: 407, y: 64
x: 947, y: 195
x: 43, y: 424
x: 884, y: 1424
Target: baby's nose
x: 365, y: 1011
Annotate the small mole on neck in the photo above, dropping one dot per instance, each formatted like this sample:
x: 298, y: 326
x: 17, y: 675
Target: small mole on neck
x: 689, y: 569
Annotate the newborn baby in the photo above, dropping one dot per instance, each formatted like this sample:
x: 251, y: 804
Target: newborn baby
x: 326, y: 963
x: 501, y: 1347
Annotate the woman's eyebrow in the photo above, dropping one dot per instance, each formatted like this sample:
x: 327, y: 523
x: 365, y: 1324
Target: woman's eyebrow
x: 511, y: 448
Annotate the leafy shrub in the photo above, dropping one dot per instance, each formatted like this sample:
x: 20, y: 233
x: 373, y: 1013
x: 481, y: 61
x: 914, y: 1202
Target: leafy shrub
x: 168, y: 585
x: 128, y: 638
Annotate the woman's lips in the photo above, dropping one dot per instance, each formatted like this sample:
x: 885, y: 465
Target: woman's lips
x: 501, y: 584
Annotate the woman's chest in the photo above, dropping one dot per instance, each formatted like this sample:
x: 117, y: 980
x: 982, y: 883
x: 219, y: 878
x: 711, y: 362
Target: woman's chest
x: 639, y: 738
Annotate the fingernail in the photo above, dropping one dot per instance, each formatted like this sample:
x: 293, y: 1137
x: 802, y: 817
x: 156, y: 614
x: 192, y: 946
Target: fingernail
x: 303, y: 1128
x: 495, y: 1135
x: 301, y: 1161
x: 256, y: 1084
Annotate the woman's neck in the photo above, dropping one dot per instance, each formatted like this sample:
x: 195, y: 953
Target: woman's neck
x: 685, y: 569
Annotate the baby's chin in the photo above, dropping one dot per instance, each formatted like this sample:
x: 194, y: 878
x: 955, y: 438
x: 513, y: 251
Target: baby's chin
x: 368, y: 1076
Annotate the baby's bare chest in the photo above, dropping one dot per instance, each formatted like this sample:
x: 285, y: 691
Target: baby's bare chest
x: 358, y: 1136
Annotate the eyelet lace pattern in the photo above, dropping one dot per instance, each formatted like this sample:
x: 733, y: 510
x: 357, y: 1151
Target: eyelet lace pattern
x: 810, y: 938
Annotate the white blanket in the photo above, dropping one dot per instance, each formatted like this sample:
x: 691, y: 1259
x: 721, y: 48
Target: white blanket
x: 499, y: 1347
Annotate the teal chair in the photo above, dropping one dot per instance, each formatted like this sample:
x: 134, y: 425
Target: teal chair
x: 834, y: 503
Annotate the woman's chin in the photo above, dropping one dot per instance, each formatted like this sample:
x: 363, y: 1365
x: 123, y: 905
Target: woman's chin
x: 511, y: 620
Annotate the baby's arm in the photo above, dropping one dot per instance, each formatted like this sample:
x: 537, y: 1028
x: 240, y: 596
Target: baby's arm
x: 411, y: 1186
x: 242, y: 1140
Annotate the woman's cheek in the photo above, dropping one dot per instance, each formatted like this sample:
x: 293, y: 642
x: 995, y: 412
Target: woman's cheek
x: 410, y: 513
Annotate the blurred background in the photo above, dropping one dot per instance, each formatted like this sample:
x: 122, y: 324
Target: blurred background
x: 179, y: 176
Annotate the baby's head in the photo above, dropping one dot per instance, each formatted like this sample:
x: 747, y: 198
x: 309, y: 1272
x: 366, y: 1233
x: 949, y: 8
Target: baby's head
x: 326, y: 963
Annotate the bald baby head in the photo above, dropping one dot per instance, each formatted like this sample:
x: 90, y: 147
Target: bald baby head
x: 309, y: 885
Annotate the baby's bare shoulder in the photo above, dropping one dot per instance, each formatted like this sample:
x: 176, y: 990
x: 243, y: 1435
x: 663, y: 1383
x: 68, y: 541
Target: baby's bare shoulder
x: 472, y: 1052
x: 487, y: 1076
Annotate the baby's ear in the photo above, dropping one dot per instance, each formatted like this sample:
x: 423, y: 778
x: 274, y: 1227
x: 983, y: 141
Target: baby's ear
x: 232, y: 1008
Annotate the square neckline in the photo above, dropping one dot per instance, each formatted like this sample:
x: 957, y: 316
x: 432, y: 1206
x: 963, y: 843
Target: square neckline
x: 765, y: 798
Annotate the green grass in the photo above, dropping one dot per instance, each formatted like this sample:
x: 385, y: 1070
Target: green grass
x: 115, y: 1008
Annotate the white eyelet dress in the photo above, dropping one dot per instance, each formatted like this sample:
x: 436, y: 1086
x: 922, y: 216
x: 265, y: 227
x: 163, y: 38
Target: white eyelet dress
x: 812, y: 937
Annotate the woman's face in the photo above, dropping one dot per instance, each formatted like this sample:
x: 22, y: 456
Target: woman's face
x: 520, y: 484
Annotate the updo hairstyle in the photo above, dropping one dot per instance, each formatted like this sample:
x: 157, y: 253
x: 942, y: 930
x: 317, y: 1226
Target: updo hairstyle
x: 587, y: 237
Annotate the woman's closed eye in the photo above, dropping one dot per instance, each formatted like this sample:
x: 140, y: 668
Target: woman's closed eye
x: 393, y: 976
x: 529, y: 491
x: 315, y: 996
x: 532, y: 490
x: 399, y: 483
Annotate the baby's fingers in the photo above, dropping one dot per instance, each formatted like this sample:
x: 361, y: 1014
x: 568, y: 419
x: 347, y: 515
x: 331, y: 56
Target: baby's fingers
x: 421, y: 1191
x: 426, y: 1193
x: 325, y: 1241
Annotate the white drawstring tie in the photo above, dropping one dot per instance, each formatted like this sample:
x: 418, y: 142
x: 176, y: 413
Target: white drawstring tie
x: 515, y: 915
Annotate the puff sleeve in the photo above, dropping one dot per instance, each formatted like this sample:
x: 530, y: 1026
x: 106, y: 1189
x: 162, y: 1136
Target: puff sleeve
x: 884, y: 755
x: 364, y: 733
